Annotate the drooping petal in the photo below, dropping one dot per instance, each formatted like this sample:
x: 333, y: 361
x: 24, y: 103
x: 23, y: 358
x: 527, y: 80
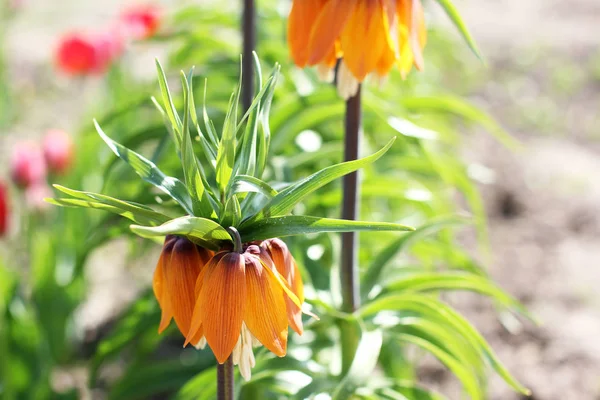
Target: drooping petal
x: 302, y: 18
x: 412, y: 35
x: 265, y: 314
x: 328, y: 27
x: 180, y: 276
x: 418, y: 33
x: 365, y: 37
x: 221, y: 304
x: 286, y: 266
x: 159, y: 285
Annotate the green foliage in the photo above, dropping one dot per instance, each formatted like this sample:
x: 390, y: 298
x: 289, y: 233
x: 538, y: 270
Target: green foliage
x: 257, y: 172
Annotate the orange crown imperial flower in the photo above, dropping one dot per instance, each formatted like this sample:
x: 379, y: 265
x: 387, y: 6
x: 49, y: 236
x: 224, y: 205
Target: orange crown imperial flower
x: 370, y: 37
x: 242, y: 299
x: 230, y: 300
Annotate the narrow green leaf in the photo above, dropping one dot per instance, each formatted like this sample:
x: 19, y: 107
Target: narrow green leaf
x: 434, y: 281
x: 139, y: 211
x: 456, y: 18
x: 227, y: 146
x: 232, y: 213
x: 149, y: 172
x: 432, y: 308
x: 246, y: 184
x: 300, y: 225
x: 373, y: 272
x: 191, y: 167
x: 202, y: 231
x: 462, y: 108
x: 362, y: 367
x: 285, y: 200
x: 168, y: 102
x: 468, y: 380
x: 208, y: 125
x: 77, y: 203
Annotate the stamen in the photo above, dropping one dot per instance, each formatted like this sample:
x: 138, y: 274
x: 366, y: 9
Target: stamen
x: 325, y: 73
x: 243, y: 356
x: 346, y: 82
x: 201, y: 343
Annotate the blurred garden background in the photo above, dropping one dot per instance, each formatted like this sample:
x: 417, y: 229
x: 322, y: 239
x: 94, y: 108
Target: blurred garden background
x: 539, y: 83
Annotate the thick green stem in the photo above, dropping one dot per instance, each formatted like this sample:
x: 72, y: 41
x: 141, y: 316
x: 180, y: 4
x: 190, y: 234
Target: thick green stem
x: 225, y: 382
x: 350, y: 208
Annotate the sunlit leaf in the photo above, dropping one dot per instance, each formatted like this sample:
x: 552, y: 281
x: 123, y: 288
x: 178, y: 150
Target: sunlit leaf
x: 301, y: 225
x: 149, y: 172
x: 285, y: 200
x: 456, y: 18
x: 205, y: 232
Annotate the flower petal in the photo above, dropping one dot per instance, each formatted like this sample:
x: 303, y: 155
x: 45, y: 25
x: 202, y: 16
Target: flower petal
x: 221, y: 304
x: 265, y: 314
x: 164, y: 301
x: 300, y: 23
x: 365, y: 37
x: 180, y: 276
x: 287, y: 267
x: 328, y: 27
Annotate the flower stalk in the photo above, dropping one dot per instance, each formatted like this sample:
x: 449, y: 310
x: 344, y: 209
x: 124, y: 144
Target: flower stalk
x: 225, y: 382
x: 249, y: 35
x: 350, y: 209
x: 225, y: 376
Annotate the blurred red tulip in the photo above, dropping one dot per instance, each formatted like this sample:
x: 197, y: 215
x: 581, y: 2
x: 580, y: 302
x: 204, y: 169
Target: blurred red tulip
x: 28, y: 166
x: 79, y: 54
x: 35, y: 195
x: 76, y: 55
x: 58, y: 151
x: 141, y: 22
x: 3, y: 210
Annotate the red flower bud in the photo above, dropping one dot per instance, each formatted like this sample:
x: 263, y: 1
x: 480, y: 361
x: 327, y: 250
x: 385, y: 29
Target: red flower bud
x: 79, y: 54
x: 58, y: 151
x: 141, y: 22
x: 28, y: 165
x: 3, y: 210
x: 76, y: 55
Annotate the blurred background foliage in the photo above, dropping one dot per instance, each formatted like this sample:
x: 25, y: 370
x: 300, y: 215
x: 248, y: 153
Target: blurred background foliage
x: 422, y: 181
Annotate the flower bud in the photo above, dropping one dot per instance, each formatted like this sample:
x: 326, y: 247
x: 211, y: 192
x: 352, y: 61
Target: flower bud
x: 79, y: 54
x: 141, y: 22
x: 76, y: 55
x: 58, y: 151
x: 3, y: 210
x: 27, y: 166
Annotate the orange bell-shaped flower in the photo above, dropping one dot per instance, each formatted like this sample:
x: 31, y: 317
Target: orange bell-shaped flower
x: 179, y: 265
x: 241, y: 300
x: 370, y: 37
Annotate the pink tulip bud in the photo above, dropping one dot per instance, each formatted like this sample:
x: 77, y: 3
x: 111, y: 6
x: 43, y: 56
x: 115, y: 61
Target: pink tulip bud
x: 35, y: 195
x: 28, y: 165
x: 3, y: 210
x: 58, y: 151
x: 141, y: 22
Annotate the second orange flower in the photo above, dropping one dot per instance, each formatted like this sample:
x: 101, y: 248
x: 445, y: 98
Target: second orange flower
x: 369, y: 36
